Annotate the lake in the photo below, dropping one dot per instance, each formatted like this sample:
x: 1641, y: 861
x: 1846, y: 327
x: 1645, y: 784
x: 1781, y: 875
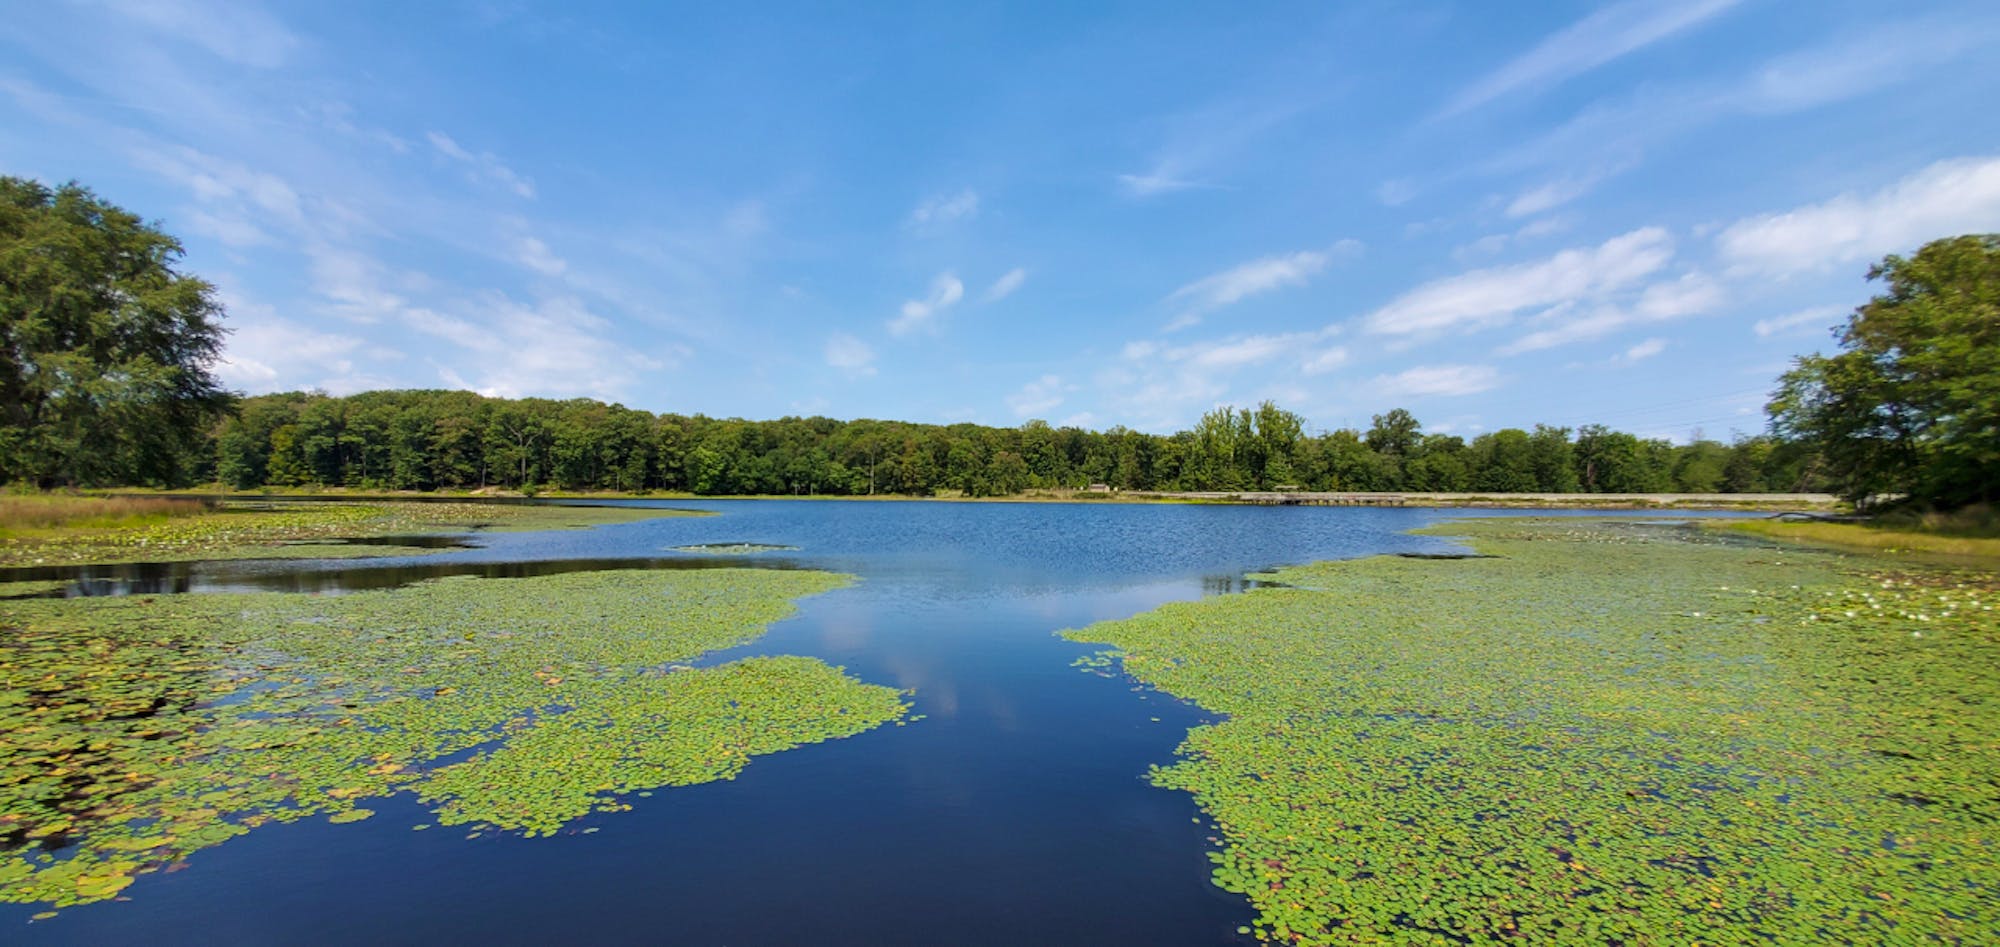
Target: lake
x: 1014, y: 811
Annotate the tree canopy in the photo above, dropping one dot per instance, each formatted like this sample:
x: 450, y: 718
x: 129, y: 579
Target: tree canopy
x: 423, y: 440
x: 105, y: 348
x: 1911, y: 406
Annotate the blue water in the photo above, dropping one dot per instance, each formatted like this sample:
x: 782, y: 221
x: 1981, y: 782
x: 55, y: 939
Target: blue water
x: 1016, y: 812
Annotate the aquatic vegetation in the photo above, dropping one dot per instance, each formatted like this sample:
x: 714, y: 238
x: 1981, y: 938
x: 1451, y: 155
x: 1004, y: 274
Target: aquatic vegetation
x: 30, y: 588
x: 732, y: 549
x: 1611, y: 733
x: 134, y: 731
x: 291, y: 529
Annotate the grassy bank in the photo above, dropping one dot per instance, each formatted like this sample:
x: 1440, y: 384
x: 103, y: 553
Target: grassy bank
x: 1969, y: 538
x: 136, y: 731
x: 1609, y: 733
x: 76, y: 530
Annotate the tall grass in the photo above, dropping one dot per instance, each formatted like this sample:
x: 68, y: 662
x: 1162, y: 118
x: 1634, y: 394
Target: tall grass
x: 43, y: 511
x: 1968, y: 537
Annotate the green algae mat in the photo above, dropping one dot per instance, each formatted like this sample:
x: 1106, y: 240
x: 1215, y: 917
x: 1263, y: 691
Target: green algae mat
x: 136, y: 731
x: 1610, y: 733
x: 300, y: 529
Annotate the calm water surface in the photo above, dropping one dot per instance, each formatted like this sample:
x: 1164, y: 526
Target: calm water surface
x: 1015, y: 812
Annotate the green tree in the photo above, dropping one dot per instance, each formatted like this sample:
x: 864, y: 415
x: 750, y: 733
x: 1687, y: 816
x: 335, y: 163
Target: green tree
x: 106, y: 348
x: 1912, y: 404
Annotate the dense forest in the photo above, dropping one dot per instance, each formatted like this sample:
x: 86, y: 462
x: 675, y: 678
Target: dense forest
x: 425, y: 440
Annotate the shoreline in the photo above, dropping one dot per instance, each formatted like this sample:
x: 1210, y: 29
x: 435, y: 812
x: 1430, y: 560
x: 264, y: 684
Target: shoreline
x: 1610, y: 502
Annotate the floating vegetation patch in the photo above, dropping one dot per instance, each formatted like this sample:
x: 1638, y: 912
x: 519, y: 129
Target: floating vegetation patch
x: 298, y: 529
x: 1608, y: 735
x: 732, y: 549
x: 32, y: 588
x: 134, y: 731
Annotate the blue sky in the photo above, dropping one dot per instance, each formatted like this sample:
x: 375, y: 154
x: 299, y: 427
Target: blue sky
x: 1633, y: 213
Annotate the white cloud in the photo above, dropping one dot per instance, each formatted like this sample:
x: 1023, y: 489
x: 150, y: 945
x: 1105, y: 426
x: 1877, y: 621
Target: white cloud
x: 1199, y: 140
x: 946, y: 208
x: 265, y: 353
x: 1325, y: 360
x: 1944, y: 199
x: 1599, y: 38
x: 1645, y: 350
x: 1038, y: 397
x: 1159, y: 386
x: 1217, y: 290
x: 232, y: 229
x: 1492, y: 244
x: 537, y: 256
x: 1157, y: 182
x: 237, y: 32
x: 850, y: 355
x: 916, y: 314
x: 1818, y: 317
x: 483, y: 165
x: 553, y: 347
x: 1563, y: 190
x: 1492, y: 296
x: 1396, y: 192
x: 1882, y: 55
x: 1445, y: 380
x: 1005, y: 285
x: 1691, y: 295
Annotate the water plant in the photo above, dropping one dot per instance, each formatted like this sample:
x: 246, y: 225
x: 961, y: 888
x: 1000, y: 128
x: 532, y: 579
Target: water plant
x: 289, y: 529
x: 1611, y: 733
x: 134, y: 731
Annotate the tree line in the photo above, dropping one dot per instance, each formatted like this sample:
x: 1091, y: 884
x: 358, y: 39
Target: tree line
x: 430, y: 440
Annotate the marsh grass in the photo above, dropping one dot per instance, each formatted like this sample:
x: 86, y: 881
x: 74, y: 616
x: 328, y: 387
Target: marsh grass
x: 30, y: 513
x: 1969, y: 537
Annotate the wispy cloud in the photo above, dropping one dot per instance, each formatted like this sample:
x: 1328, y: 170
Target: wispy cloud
x: 1645, y: 350
x: 1198, y: 142
x: 1610, y: 137
x: 240, y: 33
x: 850, y: 355
x: 946, y: 291
x: 537, y: 256
x: 1818, y: 317
x: 1160, y: 385
x: 1038, y: 397
x: 1691, y: 295
x: 1492, y: 296
x: 482, y: 166
x: 1160, y: 180
x: 1946, y: 198
x: 1609, y: 33
x: 1436, y: 380
x: 945, y: 208
x: 1396, y: 192
x: 1563, y: 190
x: 1324, y: 361
x: 1005, y: 285
x: 1255, y: 277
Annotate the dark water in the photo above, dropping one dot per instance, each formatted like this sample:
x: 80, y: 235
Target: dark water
x: 1016, y: 812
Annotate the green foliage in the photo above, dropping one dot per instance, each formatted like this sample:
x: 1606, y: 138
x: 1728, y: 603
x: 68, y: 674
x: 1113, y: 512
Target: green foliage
x: 105, y: 348
x: 428, y: 440
x: 1912, y: 404
x: 136, y: 731
x: 1692, y: 742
